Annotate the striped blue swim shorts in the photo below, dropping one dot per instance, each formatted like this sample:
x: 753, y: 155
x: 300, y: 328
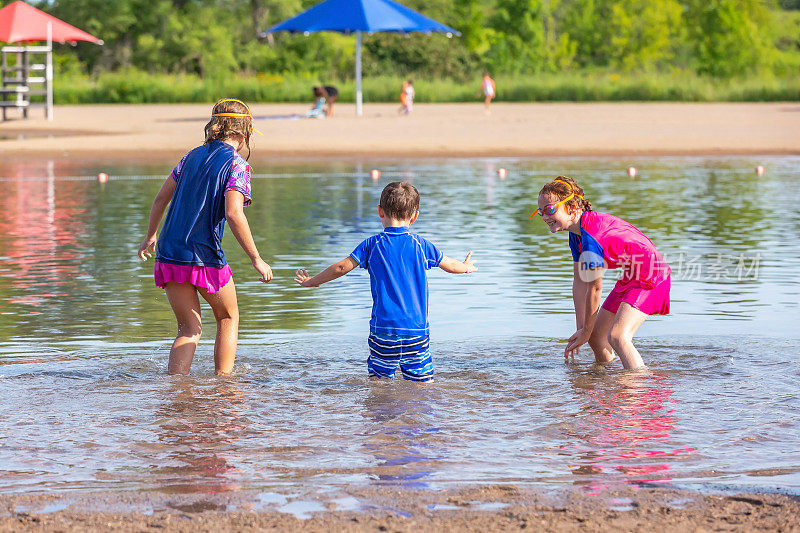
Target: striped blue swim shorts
x: 411, y: 354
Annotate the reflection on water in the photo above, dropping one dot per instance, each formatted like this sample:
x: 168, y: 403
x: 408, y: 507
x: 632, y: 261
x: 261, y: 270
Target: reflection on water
x: 629, y: 421
x: 41, y: 259
x: 84, y: 338
x: 201, y: 426
x: 402, y: 435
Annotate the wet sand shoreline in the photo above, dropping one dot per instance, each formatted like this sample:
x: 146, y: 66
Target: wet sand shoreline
x: 159, y: 132
x: 492, y: 507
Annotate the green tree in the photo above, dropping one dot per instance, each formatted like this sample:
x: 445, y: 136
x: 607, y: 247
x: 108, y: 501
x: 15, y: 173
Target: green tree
x: 643, y: 33
x: 628, y: 34
x: 120, y: 24
x: 219, y: 38
x: 726, y: 36
x: 519, y: 40
x: 470, y: 19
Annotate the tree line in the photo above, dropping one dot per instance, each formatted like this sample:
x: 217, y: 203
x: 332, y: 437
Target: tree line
x: 217, y: 38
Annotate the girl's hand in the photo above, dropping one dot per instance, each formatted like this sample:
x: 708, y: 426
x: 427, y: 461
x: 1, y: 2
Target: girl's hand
x: 574, y: 343
x: 470, y: 265
x: 148, y: 245
x: 263, y: 269
x: 302, y: 277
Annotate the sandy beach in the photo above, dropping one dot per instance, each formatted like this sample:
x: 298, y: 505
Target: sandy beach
x: 490, y: 508
x: 163, y: 132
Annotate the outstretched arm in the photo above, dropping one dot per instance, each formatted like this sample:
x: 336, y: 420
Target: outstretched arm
x: 234, y: 214
x: 160, y: 203
x: 453, y: 266
x: 336, y: 270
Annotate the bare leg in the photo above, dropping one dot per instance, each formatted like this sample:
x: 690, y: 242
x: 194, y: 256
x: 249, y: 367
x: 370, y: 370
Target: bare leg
x: 603, y: 352
x: 186, y: 306
x: 226, y: 311
x: 626, y: 322
x: 486, y: 103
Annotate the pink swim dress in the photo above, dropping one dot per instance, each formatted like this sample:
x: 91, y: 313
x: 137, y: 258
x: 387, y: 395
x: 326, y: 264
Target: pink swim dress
x: 609, y: 242
x: 203, y: 277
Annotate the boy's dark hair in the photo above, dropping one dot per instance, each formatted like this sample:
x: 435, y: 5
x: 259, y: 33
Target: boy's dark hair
x: 400, y: 200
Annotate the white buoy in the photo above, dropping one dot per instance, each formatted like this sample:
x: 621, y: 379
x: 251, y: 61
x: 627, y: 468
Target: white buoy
x: 375, y: 174
x: 632, y: 172
x: 502, y: 173
x: 761, y: 170
x: 102, y: 177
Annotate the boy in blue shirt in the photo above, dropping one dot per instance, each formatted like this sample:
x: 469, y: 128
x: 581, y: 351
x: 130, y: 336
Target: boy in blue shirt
x: 397, y: 261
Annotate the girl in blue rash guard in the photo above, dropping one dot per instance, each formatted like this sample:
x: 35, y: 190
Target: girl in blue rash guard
x: 210, y: 185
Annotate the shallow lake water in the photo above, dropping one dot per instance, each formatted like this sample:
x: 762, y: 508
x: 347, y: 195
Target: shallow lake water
x: 85, y: 335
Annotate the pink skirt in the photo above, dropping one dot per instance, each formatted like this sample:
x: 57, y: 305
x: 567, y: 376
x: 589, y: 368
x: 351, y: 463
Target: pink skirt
x: 209, y: 278
x: 653, y: 301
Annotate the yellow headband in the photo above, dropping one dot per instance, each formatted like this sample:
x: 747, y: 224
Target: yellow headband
x: 571, y: 190
x: 239, y: 115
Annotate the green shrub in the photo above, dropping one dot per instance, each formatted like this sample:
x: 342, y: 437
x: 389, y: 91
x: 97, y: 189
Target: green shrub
x: 135, y: 87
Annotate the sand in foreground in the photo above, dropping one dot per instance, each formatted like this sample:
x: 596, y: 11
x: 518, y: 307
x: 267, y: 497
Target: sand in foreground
x: 164, y: 132
x: 488, y: 508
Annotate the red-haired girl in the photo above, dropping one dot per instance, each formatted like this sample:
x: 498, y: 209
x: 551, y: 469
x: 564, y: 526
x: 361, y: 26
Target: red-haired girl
x: 599, y: 241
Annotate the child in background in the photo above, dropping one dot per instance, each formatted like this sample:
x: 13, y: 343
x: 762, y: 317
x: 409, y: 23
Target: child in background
x: 600, y: 241
x: 487, y: 85
x: 210, y: 185
x: 318, y: 110
x: 397, y: 261
x: 331, y: 94
x: 406, y: 98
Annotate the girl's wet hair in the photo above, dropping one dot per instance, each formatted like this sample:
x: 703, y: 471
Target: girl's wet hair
x: 236, y: 128
x: 561, y: 187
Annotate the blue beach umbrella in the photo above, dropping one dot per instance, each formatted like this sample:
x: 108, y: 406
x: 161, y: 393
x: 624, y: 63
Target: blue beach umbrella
x: 356, y: 16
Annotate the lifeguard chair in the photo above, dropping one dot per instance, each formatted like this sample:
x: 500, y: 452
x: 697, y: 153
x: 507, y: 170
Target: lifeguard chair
x: 23, y: 76
x: 27, y: 71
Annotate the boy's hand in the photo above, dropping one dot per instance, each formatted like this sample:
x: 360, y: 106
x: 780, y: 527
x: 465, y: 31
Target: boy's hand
x: 263, y: 269
x: 148, y: 245
x: 302, y: 277
x: 470, y: 265
x: 454, y: 266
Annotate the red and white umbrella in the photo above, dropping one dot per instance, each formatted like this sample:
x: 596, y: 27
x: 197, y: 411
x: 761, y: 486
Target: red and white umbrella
x: 20, y: 22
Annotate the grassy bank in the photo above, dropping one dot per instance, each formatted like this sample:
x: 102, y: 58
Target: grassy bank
x: 138, y: 87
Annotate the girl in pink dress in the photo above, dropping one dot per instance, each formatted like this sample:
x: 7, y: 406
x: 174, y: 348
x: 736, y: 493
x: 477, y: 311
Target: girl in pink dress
x: 599, y: 241
x: 210, y: 185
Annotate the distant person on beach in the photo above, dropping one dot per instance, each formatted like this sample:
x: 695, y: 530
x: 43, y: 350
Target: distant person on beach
x: 319, y: 109
x: 210, y: 185
x: 488, y: 88
x: 599, y: 241
x: 397, y: 261
x: 331, y: 94
x: 406, y: 98
x: 324, y: 98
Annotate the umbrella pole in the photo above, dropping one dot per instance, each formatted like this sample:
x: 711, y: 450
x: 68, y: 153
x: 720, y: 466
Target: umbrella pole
x: 359, y: 110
